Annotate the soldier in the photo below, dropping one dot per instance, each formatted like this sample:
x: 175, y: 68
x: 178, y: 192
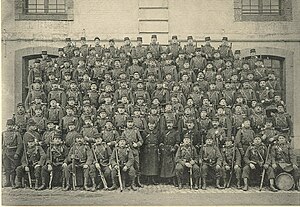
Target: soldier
x: 255, y: 160
x: 139, y: 51
x: 229, y: 93
x: 35, y: 92
x: 218, y: 63
x: 48, y: 135
x: 232, y: 158
x: 98, y: 48
x: 21, y: 118
x: 123, y: 91
x: 102, y: 154
x: 190, y: 128
x: 120, y: 118
x: 207, y: 49
x: 244, y: 136
x: 225, y: 49
x: 93, y: 94
x: 69, y: 117
x: 69, y: 48
x: 253, y: 58
x: 11, y: 152
x: 91, y: 59
x: 224, y: 120
x: 54, y: 112
x: 88, y: 130
x: 190, y: 48
x: 169, y: 144
x: 33, y: 160
x: 211, y: 160
x: 268, y: 133
x: 247, y: 92
x: 283, y: 159
x: 35, y: 71
x: 174, y: 47
x: 84, y: 48
x: 31, y: 132
x: 79, y: 71
x: 59, y: 61
x: 283, y: 122
x: 122, y: 153
x: 186, y: 159
x: 56, y: 154
x: 109, y: 134
x: 204, y: 123
x: 150, y: 153
x: 58, y: 94
x: 71, y: 134
x: 135, y: 67
x: 113, y: 50
x: 216, y: 133
x: 154, y: 47
x: 237, y: 62
x: 80, y: 156
x: 97, y: 72
x: 127, y: 46
x: 258, y: 119
x: 198, y: 63
x: 259, y: 69
x: 76, y: 58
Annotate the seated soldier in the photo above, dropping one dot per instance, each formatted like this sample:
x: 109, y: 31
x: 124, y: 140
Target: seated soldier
x: 186, y: 159
x: 284, y: 159
x: 122, y: 159
x: 255, y: 160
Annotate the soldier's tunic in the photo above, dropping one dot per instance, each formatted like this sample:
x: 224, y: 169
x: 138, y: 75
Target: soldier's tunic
x: 256, y: 155
x: 225, y: 124
x: 229, y: 95
x: 11, y: 145
x: 21, y: 121
x: 69, y: 51
x: 267, y: 134
x: 64, y: 122
x: 54, y: 114
x: 170, y: 143
x: 120, y: 120
x: 59, y: 96
x: 155, y: 49
x: 139, y: 52
x: 225, y: 52
x: 47, y: 138
x: 217, y: 134
x: 29, y: 135
x: 258, y: 120
x: 198, y: 62
x: 208, y: 50
x: 228, y: 159
x: 174, y: 48
x: 71, y: 137
x: 75, y: 60
x: 244, y: 138
x: 33, y: 94
x: 84, y: 50
x: 211, y: 157
x: 189, y: 49
x: 110, y: 137
x: 283, y: 123
x: 150, y: 152
x: 99, y: 50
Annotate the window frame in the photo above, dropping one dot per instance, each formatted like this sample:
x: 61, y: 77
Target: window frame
x: 260, y: 8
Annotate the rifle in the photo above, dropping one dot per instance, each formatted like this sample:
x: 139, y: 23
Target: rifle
x: 100, y: 172
x: 50, y: 155
x: 74, y: 181
x: 264, y: 170
x: 119, y: 171
x: 26, y: 159
x: 200, y: 155
x: 191, y: 178
x: 232, y: 166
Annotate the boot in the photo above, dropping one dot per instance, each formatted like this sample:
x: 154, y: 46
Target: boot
x: 154, y: 181
x: 138, y: 182
x: 7, y: 180
x: 272, y: 187
x: 179, y: 183
x: 203, y: 183
x: 12, y: 180
x: 114, y: 185
x: 133, y: 185
x: 174, y: 182
x: 85, y: 187
x: 246, y: 187
x: 93, y: 189
x: 238, y: 184
x: 196, y: 183
x: 218, y: 184
x: 43, y: 186
x: 18, y: 183
x: 68, y: 186
x: 36, y: 185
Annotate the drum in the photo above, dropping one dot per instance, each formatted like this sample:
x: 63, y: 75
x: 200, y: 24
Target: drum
x: 284, y: 181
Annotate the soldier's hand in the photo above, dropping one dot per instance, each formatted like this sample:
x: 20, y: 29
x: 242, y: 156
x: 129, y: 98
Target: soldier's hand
x: 218, y: 167
x: 50, y: 168
x: 36, y: 166
x: 97, y: 165
x: 16, y: 156
x: 108, y: 143
x: 134, y: 144
x: 271, y: 139
x: 26, y: 169
x: 295, y: 167
x: 236, y: 167
x: 173, y: 149
x: 188, y: 165
x: 72, y: 156
x: 125, y: 168
x: 116, y: 167
x: 274, y: 166
x: 227, y: 167
x: 266, y: 166
x: 64, y: 165
x: 85, y: 166
x: 192, y: 162
x: 252, y: 166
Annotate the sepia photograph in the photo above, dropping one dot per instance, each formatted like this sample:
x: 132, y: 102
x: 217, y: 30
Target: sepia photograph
x: 150, y: 102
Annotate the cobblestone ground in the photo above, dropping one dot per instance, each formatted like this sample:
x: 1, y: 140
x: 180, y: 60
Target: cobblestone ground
x: 150, y: 195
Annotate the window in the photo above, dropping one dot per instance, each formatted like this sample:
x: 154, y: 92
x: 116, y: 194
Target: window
x: 255, y: 7
x: 45, y: 6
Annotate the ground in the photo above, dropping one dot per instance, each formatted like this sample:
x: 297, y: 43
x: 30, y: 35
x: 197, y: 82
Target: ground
x: 150, y: 195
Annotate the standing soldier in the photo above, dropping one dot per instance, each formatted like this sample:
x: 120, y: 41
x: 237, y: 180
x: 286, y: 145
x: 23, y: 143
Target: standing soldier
x: 33, y: 160
x: 244, y: 136
x: 109, y: 134
x: 58, y: 94
x: 12, y: 152
x: 268, y: 133
x: 21, y: 118
x: 225, y: 50
x: 284, y: 160
x: 169, y: 144
x: 207, y: 49
x: 150, y: 152
x: 211, y: 161
x: 84, y: 48
x: 139, y: 51
x: 189, y: 48
x: 198, y: 62
x: 71, y: 134
x: 255, y: 160
x: 56, y: 154
x: 253, y: 58
x: 127, y: 46
x: 135, y: 141
x: 174, y: 47
x: 69, y: 48
x: 283, y: 122
x: 154, y: 47
x: 186, y: 159
x: 232, y: 158
x: 31, y: 132
x: 98, y: 48
x: 216, y: 133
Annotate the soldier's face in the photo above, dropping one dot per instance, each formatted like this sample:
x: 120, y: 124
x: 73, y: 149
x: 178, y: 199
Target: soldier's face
x: 153, y: 111
x: 209, y: 141
x: 122, y: 143
x: 71, y: 127
x: 190, y: 102
x: 163, y: 56
x: 76, y: 52
x: 234, y: 77
x: 198, y: 52
x: 151, y: 126
x: 66, y: 64
x: 207, y: 42
x: 247, y: 124
x: 186, y: 141
x: 205, y: 101
x: 129, y: 124
x: 122, y: 55
x: 239, y: 100
x: 108, y: 125
x: 190, y: 125
x: 111, y: 43
x: 220, y: 111
x: 10, y: 127
x: 31, y: 144
x: 81, y: 62
x: 186, y: 65
x: 33, y: 128
x: 245, y: 66
x: 228, y: 143
x: 55, y: 86
x: 170, y: 125
x: 228, y: 64
x: 137, y: 113
x: 252, y: 53
x: 20, y: 109
x: 281, y: 139
x: 127, y: 42
x: 50, y: 126
x: 258, y: 109
x: 174, y: 41
x: 223, y: 102
x: 250, y: 77
x: 38, y: 112
x: 153, y: 40
x: 269, y: 124
x: 53, y: 103
x: 139, y: 42
x: 135, y: 61
x: 60, y: 53
x: 190, y: 41
x: 217, y: 55
x: 168, y: 77
x: 140, y: 85
x: 155, y: 101
x: 79, y: 140
x: 215, y: 123
x: 99, y: 140
x: 280, y: 109
x: 97, y: 42
x: 121, y: 110
x: 277, y: 98
x: 168, y: 108
x: 203, y: 114
x: 212, y: 86
x: 102, y: 115
x: 257, y: 140
x: 218, y: 77
x: 88, y: 122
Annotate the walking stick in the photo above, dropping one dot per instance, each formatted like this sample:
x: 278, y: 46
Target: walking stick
x: 100, y: 172
x: 232, y: 167
x: 50, y: 154
x: 74, y: 181
x: 264, y: 170
x: 191, y: 178
x: 119, y: 171
x: 26, y: 159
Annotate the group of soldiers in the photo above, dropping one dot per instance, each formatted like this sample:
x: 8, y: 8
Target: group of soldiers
x: 108, y: 116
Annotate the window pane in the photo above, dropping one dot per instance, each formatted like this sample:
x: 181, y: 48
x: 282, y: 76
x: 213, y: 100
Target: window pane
x: 276, y: 64
x: 267, y: 63
x: 275, y: 2
x: 60, y: 1
x: 246, y: 2
x: 52, y: 2
x: 254, y: 2
x: 40, y: 1
x: 31, y: 1
x: 266, y: 2
x: 51, y: 7
x: 61, y: 7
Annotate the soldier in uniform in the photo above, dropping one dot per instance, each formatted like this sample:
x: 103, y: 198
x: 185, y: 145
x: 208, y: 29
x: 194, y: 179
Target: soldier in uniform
x: 109, y: 134
x: 69, y: 117
x: 186, y: 158
x: 33, y: 159
x: 56, y: 154
x: 69, y: 48
x: 255, y: 161
x: 258, y: 119
x: 11, y: 152
x: 120, y: 118
x: 207, y: 49
x: 125, y: 164
x: 210, y: 159
x: 283, y: 159
x: 283, y: 122
x: 268, y: 133
x: 114, y: 52
x: 81, y: 155
x: 225, y: 50
x: 189, y: 48
x: 21, y: 118
x: 98, y: 48
x: 71, y: 134
x: 154, y: 47
x: 232, y: 158
x: 59, y: 61
x: 31, y: 132
x: 127, y: 46
x: 174, y: 47
x: 84, y: 48
x: 244, y: 136
x: 88, y: 130
x: 54, y: 112
x: 216, y: 133
x: 139, y: 51
x: 58, y: 94
x: 253, y: 58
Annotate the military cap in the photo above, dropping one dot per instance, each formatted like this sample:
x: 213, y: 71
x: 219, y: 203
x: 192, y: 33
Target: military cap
x: 280, y: 104
x: 263, y: 79
x: 98, y: 58
x: 117, y: 59
x: 129, y: 119
x: 121, y: 106
x: 87, y: 117
x: 48, y: 60
x: 111, y: 40
x: 76, y: 48
x: 269, y: 120
x: 20, y: 104
x: 37, y: 61
x: 198, y: 49
x: 149, y: 51
x: 50, y: 121
x: 108, y: 120
x: 257, y: 135
x: 96, y: 38
x: 136, y: 108
x: 31, y: 122
x: 83, y: 38
x: 102, y: 110
x: 186, y: 136
x: 68, y: 39
x: 189, y: 37
x: 91, y: 48
x: 169, y: 57
x: 252, y: 50
x: 237, y: 52
x: 216, y: 51
x: 169, y: 121
x: 228, y: 139
x: 106, y: 95
x: 151, y: 121
x: 281, y: 135
x: 134, y: 57
x: 139, y: 39
x: 10, y: 122
x: 66, y: 60
x: 228, y: 81
x: 215, y: 119
x: 69, y: 107
x: 205, y: 96
x: 207, y: 38
x: 245, y: 62
x: 239, y: 95
x: 107, y: 50
x: 225, y: 38
x: 174, y: 37
x: 277, y: 93
x: 154, y: 36
x: 87, y: 104
x: 126, y: 38
x: 97, y: 135
x: 38, y: 107
x: 181, y: 51
x: 140, y: 81
x: 44, y: 52
x: 121, y: 51
x: 203, y: 109
x: 60, y: 49
x: 189, y: 120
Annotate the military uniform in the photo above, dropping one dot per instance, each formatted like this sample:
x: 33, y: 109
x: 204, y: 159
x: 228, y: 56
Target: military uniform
x: 110, y: 136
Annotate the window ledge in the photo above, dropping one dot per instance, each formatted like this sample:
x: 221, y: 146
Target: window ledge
x: 264, y: 17
x: 45, y: 17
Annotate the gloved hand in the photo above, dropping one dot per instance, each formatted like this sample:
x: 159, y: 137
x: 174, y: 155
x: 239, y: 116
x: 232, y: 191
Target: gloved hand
x: 85, y: 166
x: 26, y: 169
x: 50, y: 168
x: 266, y: 166
x: 16, y: 156
x: 97, y: 165
x: 252, y: 166
x: 125, y: 168
x: 64, y: 165
x: 188, y: 165
x: 227, y: 167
